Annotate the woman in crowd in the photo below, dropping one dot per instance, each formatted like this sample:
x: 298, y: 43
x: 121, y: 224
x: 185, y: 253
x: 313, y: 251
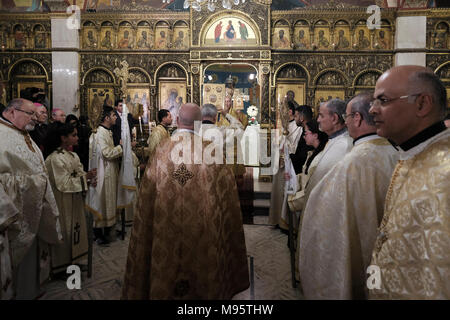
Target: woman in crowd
x: 82, y: 149
x: 317, y: 139
x: 68, y: 181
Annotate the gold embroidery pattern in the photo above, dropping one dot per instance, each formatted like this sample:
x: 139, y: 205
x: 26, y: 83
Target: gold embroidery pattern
x: 182, y: 175
x: 28, y: 142
x: 382, y: 233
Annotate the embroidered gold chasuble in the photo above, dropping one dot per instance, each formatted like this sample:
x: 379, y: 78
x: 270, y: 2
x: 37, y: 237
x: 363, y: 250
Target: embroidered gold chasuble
x: 68, y: 180
x: 110, y: 156
x: 28, y: 214
x: 341, y: 219
x: 413, y: 245
x: 187, y: 240
x: 159, y: 133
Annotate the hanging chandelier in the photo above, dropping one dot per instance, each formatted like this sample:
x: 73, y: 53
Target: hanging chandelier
x: 210, y: 4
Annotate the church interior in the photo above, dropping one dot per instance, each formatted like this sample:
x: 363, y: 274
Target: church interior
x: 177, y: 51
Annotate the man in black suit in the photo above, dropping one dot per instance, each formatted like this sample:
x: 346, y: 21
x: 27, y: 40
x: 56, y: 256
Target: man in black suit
x: 117, y: 128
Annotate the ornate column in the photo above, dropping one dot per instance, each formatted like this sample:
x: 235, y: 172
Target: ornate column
x: 65, y: 64
x: 195, y: 69
x: 264, y: 70
x: 410, y: 36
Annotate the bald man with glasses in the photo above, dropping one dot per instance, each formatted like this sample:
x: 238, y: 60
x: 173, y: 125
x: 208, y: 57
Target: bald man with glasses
x: 412, y: 250
x: 28, y: 212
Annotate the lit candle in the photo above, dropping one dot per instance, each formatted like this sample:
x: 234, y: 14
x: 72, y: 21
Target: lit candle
x: 140, y: 125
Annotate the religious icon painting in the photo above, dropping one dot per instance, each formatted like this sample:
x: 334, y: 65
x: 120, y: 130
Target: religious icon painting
x: 322, y: 38
x: 302, y: 37
x: 342, y: 40
x: 126, y: 37
x: 383, y: 39
x: 230, y: 31
x: 90, y: 38
x: 326, y: 95
x: 441, y: 35
x: 296, y: 90
x: 19, y: 37
x: 161, y: 37
x: 23, y: 85
x: 97, y: 98
x: 214, y: 93
x: 181, y: 37
x: 362, y: 40
x: 144, y: 38
x: 107, y: 38
x: 172, y: 94
x: 281, y: 38
x: 39, y: 38
x: 138, y: 102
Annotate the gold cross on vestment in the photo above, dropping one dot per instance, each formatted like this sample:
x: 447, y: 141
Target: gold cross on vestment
x: 182, y: 175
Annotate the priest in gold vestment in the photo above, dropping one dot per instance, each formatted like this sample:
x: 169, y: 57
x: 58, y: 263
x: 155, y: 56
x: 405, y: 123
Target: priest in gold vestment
x: 160, y: 132
x: 187, y: 240
x: 412, y: 250
x: 339, y: 143
x: 344, y: 211
x: 29, y: 217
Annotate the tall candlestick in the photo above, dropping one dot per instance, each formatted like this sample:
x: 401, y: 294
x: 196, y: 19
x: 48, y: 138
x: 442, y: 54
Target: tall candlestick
x: 140, y: 126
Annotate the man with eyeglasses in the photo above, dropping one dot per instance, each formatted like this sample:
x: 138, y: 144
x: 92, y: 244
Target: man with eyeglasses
x: 344, y: 210
x: 340, y: 143
x: 28, y: 212
x: 412, y: 249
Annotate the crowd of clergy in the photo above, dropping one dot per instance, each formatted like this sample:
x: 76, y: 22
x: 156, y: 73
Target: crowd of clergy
x: 364, y: 187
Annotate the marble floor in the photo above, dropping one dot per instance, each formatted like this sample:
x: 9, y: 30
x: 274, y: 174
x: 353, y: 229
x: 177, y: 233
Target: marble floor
x: 267, y: 250
x: 269, y: 269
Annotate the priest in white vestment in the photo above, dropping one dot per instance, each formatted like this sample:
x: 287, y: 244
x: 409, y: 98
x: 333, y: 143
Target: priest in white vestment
x: 105, y: 213
x: 277, y: 211
x: 344, y: 210
x: 68, y: 181
x: 339, y: 142
x: 28, y: 212
x: 412, y: 250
